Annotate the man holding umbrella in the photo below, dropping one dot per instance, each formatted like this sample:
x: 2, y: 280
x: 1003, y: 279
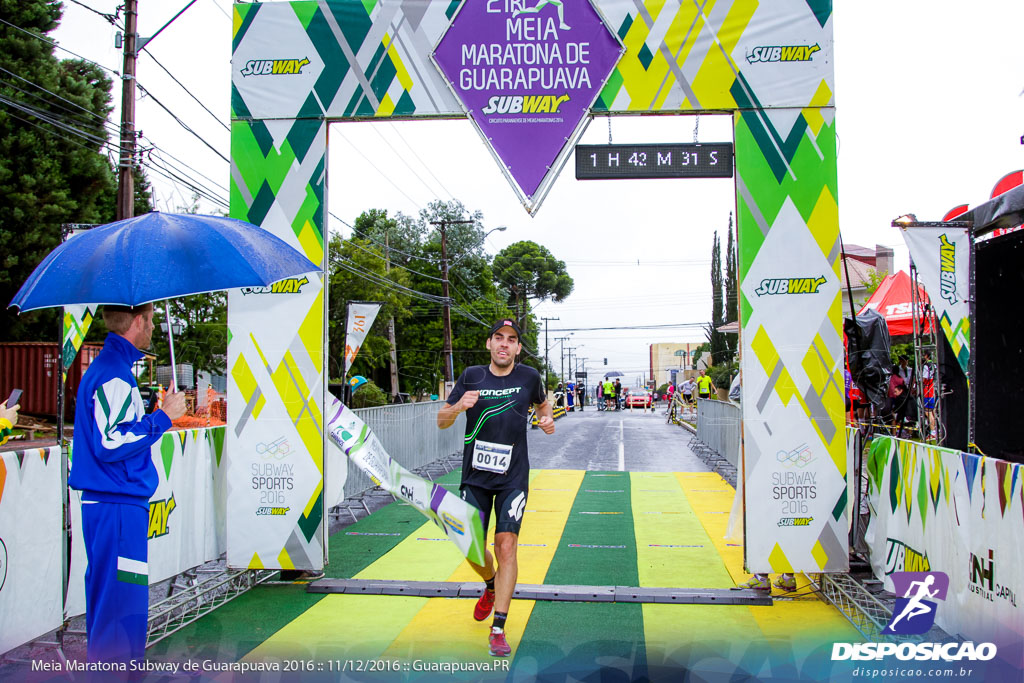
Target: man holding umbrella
x: 114, y: 471
x: 184, y: 254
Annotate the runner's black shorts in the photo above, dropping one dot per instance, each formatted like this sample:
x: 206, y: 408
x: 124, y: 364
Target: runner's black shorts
x: 509, y: 504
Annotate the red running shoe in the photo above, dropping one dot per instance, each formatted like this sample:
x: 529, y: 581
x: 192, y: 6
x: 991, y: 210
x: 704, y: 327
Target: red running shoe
x: 499, y: 646
x: 484, y: 606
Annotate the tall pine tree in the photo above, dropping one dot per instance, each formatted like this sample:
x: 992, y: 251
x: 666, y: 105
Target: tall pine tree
x: 719, y: 348
x: 52, y: 171
x: 731, y: 290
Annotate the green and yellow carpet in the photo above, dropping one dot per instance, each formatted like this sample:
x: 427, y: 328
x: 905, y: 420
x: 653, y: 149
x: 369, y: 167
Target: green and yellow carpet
x: 580, y: 528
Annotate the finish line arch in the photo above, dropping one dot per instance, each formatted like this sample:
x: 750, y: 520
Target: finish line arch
x: 299, y: 65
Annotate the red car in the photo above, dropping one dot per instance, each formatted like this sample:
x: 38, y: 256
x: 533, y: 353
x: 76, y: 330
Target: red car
x: 639, y: 398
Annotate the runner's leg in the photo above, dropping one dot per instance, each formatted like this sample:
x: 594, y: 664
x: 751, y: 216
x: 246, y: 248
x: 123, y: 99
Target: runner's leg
x: 509, y: 505
x: 506, y: 545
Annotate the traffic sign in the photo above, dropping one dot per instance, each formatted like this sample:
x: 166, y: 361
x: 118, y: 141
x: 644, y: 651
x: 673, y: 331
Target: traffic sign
x: 675, y: 160
x: 581, y: 375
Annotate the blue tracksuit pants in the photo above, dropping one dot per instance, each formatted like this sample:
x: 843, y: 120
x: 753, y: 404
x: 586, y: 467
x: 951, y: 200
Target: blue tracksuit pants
x: 116, y: 580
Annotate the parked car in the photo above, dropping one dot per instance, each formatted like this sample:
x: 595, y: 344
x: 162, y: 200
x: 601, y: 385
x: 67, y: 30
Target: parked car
x: 639, y: 397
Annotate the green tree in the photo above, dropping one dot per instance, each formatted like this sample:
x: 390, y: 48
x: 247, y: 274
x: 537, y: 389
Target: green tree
x: 704, y: 348
x: 52, y: 172
x: 414, y: 250
x: 719, y: 347
x: 731, y: 290
x: 875, y: 280
x: 529, y: 271
x: 203, y: 339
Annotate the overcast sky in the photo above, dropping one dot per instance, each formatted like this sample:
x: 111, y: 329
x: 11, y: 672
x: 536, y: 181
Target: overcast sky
x: 929, y: 113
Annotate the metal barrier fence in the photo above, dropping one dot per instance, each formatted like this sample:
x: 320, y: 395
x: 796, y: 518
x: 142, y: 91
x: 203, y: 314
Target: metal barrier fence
x: 718, y: 426
x: 410, y: 435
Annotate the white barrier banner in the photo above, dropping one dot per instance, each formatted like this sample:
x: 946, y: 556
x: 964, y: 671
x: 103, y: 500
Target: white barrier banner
x: 942, y: 257
x: 30, y: 542
x: 186, y: 513
x: 460, y: 520
x: 361, y: 315
x: 935, y: 509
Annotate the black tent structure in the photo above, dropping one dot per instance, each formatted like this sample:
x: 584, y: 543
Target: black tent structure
x: 978, y: 412
x: 997, y: 326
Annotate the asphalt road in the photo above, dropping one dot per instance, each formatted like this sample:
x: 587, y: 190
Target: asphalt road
x: 638, y: 441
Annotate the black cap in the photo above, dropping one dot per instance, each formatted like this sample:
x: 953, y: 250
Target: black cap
x: 505, y: 322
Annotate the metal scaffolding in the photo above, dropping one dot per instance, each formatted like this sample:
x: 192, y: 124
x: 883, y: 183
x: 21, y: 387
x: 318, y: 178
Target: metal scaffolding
x: 196, y: 593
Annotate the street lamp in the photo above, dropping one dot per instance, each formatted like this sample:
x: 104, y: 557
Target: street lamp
x: 176, y: 327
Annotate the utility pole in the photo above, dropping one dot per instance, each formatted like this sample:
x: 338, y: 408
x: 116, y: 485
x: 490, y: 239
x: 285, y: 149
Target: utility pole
x: 569, y: 350
x: 449, y: 363
x: 391, y: 329
x: 126, y: 163
x: 546, y: 350
x: 561, y: 357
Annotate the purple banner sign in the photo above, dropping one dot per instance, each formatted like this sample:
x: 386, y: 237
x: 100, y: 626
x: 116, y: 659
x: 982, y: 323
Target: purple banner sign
x: 527, y: 72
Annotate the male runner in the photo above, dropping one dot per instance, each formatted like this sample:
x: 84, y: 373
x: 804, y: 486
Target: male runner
x: 495, y: 462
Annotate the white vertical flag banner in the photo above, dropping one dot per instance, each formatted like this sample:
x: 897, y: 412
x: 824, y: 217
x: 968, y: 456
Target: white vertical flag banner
x: 361, y: 315
x: 942, y: 257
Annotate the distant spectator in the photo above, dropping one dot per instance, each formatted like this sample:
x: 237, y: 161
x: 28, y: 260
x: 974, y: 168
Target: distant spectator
x: 688, y: 387
x: 609, y: 393
x: 907, y: 409
x: 928, y: 392
x: 705, y: 385
x: 896, y: 396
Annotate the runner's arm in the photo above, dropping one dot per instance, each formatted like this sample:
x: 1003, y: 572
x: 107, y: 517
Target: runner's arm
x: 544, y: 409
x: 545, y: 417
x: 449, y: 413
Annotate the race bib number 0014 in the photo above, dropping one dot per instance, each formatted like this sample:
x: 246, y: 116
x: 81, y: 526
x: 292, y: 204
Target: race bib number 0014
x: 491, y: 457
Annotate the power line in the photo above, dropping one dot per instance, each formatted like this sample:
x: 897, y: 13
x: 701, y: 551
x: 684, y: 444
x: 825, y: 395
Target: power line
x: 402, y: 159
x: 48, y: 118
x: 182, y: 85
x: 353, y: 267
x: 222, y: 10
x: 175, y: 175
x: 382, y: 258
x: 50, y: 92
x: 112, y: 18
x: 632, y: 327
x: 181, y: 123
x: 50, y: 132
x: 78, y: 117
x: 161, y: 166
x: 382, y: 174
x: 411, y: 149
x: 378, y: 243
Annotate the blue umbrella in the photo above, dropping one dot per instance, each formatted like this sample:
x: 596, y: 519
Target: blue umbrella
x: 159, y: 256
